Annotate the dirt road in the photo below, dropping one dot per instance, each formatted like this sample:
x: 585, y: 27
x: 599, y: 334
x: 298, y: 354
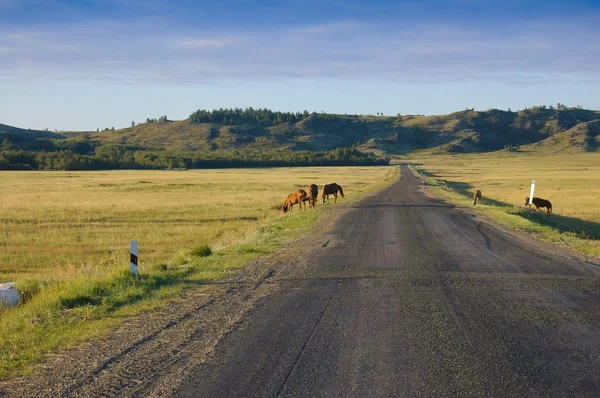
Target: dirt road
x: 406, y: 295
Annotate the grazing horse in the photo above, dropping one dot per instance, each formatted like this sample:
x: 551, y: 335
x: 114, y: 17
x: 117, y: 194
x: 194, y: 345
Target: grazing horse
x: 539, y: 202
x: 312, y: 193
x: 477, y: 197
x: 331, y: 189
x: 297, y: 197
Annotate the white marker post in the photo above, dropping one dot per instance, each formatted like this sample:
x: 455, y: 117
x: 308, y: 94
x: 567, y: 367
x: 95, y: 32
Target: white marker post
x: 133, y: 258
x: 531, y: 193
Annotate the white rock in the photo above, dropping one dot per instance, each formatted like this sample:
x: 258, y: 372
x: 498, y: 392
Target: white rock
x: 8, y: 294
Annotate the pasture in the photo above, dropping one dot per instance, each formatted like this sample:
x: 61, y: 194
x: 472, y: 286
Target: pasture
x: 65, y: 241
x: 65, y: 224
x: 571, y: 181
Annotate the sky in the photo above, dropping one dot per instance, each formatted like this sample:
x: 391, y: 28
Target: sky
x: 88, y: 64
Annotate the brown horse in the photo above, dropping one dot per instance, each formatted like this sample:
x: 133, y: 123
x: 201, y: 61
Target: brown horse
x: 312, y: 193
x: 477, y: 197
x: 539, y: 202
x: 331, y: 189
x: 297, y: 197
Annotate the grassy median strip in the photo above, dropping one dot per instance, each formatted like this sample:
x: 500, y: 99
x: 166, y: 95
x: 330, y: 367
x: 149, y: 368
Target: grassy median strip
x: 212, y: 228
x: 571, y: 181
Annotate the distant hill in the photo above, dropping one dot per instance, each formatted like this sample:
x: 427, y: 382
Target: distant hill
x: 464, y: 131
x: 583, y: 137
x: 277, y: 137
x: 15, y: 134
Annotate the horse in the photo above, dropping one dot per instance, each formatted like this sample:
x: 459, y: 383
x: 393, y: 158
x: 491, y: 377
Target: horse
x: 477, y: 197
x: 539, y: 202
x: 312, y: 193
x: 297, y: 197
x: 331, y: 189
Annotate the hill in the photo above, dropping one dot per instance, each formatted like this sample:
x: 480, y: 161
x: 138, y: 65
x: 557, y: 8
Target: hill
x: 584, y: 137
x: 243, y: 137
x: 464, y: 131
x: 17, y: 136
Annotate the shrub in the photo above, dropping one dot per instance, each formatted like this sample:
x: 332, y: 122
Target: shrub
x: 202, y: 251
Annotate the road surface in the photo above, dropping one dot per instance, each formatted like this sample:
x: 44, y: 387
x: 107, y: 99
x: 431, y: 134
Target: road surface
x: 411, y: 296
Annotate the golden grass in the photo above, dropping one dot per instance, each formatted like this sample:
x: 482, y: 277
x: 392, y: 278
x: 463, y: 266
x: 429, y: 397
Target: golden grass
x: 65, y: 239
x: 64, y: 224
x: 571, y: 181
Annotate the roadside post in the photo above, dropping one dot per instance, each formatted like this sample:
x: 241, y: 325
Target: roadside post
x: 133, y: 258
x: 531, y: 193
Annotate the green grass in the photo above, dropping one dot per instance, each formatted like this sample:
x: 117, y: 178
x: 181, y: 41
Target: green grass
x: 571, y: 181
x: 66, y: 305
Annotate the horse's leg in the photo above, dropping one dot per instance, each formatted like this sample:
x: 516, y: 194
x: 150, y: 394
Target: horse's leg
x: 334, y: 197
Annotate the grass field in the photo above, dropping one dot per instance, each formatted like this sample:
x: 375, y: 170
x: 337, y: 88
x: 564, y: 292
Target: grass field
x: 571, y: 181
x: 65, y: 241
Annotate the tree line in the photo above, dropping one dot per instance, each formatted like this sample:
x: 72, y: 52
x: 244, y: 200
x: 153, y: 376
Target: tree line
x: 116, y: 156
x: 251, y: 116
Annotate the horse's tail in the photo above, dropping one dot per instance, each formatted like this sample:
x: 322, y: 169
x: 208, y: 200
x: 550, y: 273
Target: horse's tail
x: 341, y: 190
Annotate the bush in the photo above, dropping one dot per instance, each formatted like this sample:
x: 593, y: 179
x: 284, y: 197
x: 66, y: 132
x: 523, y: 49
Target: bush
x: 202, y: 251
x: 29, y: 287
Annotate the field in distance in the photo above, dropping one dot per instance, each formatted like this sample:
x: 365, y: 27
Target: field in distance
x: 65, y: 224
x: 570, y: 180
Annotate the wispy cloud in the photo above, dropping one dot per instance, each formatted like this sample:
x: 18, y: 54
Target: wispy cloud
x: 199, y: 42
x: 137, y: 51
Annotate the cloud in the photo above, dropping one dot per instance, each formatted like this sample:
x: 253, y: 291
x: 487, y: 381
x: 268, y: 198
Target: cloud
x: 139, y: 51
x: 198, y: 42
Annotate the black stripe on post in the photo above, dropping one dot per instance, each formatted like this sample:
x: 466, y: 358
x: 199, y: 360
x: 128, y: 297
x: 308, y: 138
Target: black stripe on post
x: 133, y: 258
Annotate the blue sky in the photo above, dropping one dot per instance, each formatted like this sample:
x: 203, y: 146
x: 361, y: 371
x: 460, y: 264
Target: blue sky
x: 82, y: 65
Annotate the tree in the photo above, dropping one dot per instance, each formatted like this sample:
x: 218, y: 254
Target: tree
x: 132, y: 124
x: 6, y: 145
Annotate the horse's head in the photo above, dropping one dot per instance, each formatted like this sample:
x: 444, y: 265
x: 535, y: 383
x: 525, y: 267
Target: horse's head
x: 526, y: 201
x: 284, y: 208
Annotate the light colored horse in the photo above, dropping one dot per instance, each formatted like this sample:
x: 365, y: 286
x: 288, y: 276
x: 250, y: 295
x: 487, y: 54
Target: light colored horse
x: 297, y: 197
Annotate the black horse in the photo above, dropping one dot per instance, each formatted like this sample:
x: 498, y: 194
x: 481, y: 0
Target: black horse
x: 539, y: 202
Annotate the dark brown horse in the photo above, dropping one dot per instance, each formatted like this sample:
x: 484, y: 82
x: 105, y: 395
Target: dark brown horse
x: 331, y: 189
x: 477, y: 197
x: 297, y: 197
x: 539, y: 202
x: 312, y: 193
